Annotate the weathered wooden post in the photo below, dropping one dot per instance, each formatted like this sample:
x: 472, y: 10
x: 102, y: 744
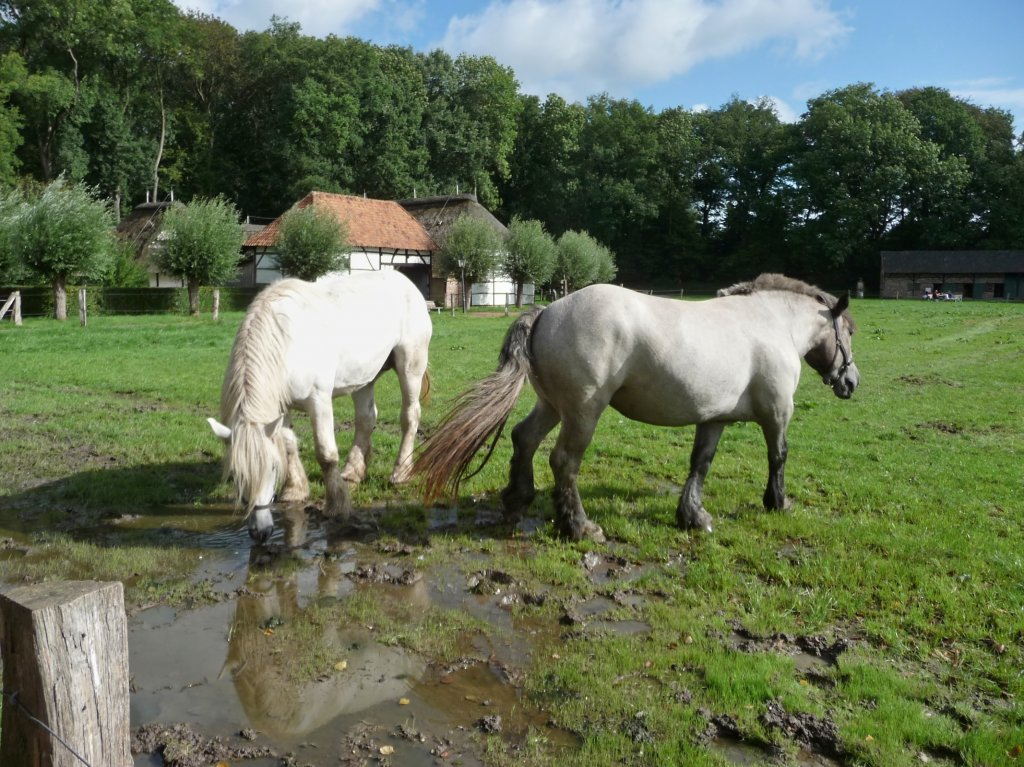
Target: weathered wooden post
x: 82, y: 317
x: 65, y: 681
x: 216, y: 304
x: 17, y: 307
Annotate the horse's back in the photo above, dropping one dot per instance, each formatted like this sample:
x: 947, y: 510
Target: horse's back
x: 656, y: 360
x: 344, y: 329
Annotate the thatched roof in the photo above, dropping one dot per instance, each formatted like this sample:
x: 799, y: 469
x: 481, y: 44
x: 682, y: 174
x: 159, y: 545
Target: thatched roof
x: 437, y: 214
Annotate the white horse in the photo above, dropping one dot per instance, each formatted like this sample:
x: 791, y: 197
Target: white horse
x: 655, y: 360
x: 299, y: 345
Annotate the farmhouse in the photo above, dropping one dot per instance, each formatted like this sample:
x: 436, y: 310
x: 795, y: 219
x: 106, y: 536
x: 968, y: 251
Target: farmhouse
x: 381, y: 235
x: 964, y: 273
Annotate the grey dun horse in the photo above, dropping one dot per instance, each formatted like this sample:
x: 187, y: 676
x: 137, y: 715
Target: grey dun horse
x: 732, y: 358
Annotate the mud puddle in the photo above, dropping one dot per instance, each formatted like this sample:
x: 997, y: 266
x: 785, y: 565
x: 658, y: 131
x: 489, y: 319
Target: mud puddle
x: 269, y: 676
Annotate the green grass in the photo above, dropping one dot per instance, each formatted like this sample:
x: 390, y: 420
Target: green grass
x: 904, y: 538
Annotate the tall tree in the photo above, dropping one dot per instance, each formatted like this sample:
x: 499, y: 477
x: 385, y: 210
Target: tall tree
x: 12, y: 75
x: 861, y: 169
x: 65, y: 234
x: 201, y: 245
x: 470, y: 122
x: 617, y: 196
x: 543, y: 167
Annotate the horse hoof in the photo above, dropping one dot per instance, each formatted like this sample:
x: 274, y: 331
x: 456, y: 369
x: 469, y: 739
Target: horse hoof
x: 593, y: 532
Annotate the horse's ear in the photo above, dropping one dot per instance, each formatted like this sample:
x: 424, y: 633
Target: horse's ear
x: 271, y: 428
x: 219, y: 429
x: 841, y: 305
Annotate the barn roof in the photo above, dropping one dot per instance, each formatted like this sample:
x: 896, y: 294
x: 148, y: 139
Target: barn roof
x: 437, y: 214
x: 950, y: 261
x: 372, y: 224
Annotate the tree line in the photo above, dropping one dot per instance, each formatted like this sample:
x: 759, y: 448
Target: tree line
x: 133, y: 97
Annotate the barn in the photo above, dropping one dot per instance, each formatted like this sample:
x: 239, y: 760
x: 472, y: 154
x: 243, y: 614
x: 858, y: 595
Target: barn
x: 962, y: 273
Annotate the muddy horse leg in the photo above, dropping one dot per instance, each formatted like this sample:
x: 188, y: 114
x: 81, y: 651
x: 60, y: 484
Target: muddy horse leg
x: 566, y: 457
x: 691, y: 512
x: 526, y: 438
x: 321, y: 416
x: 778, y: 450
x: 296, y: 484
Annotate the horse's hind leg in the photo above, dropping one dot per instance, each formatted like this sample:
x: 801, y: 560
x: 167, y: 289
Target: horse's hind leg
x: 691, y: 512
x: 526, y: 438
x: 566, y: 457
x: 296, y: 484
x: 410, y: 368
x: 366, y: 421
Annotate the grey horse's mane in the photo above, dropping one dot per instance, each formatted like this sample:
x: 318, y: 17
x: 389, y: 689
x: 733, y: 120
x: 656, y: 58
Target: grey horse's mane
x: 769, y: 281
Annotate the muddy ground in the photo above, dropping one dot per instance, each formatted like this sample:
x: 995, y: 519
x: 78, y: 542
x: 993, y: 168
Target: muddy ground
x: 213, y: 684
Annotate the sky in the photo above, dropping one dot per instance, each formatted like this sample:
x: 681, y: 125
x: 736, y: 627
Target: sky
x: 695, y: 54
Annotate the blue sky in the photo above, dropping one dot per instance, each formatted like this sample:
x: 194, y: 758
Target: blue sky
x: 693, y: 53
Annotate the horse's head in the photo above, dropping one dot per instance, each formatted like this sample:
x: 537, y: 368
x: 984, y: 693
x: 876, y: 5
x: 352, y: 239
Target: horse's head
x: 832, y: 353
x: 255, y: 461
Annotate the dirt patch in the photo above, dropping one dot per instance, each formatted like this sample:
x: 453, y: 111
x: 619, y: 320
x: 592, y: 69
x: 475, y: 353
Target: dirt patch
x: 181, y: 746
x: 819, y: 733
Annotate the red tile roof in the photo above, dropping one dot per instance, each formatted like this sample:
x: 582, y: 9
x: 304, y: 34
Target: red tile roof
x: 371, y: 223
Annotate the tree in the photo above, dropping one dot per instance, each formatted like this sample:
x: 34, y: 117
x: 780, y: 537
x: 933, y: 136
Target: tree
x: 861, y: 171
x: 530, y: 254
x: 472, y: 250
x: 12, y: 73
x: 582, y: 260
x: 64, y: 234
x: 311, y: 243
x: 201, y: 243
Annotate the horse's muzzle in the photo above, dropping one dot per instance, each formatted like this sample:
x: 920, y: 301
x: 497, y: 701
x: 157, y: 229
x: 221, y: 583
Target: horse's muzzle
x: 846, y: 382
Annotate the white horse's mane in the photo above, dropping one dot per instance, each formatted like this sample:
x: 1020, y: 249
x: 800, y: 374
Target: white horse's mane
x: 255, y: 387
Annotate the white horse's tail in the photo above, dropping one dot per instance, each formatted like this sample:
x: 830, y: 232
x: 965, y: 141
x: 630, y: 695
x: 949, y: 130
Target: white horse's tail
x: 479, y: 414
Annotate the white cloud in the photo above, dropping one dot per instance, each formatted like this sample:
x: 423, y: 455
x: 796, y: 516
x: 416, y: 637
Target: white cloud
x: 582, y: 47
x: 316, y: 17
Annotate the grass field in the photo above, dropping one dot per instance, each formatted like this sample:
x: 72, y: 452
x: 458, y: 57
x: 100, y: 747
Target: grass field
x: 879, y: 622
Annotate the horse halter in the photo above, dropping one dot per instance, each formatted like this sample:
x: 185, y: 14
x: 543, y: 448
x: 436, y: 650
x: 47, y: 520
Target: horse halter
x: 840, y: 349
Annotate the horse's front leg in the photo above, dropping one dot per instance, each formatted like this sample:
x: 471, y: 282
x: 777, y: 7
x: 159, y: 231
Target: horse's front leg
x: 690, y: 513
x: 526, y: 438
x: 321, y: 416
x: 366, y: 421
x: 778, y: 450
x: 566, y: 457
x: 296, y: 484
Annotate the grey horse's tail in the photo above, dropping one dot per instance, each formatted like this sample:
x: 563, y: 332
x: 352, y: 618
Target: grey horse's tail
x: 479, y: 413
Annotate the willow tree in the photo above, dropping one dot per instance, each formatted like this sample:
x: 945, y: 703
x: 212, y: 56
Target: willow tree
x: 201, y: 244
x: 311, y: 242
x: 64, y: 234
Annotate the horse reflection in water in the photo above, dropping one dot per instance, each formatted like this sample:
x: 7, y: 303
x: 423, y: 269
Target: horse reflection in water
x: 300, y: 345
x: 266, y: 651
x: 733, y: 358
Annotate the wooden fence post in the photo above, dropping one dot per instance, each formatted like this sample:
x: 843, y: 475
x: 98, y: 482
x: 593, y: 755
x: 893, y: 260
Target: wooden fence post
x: 65, y: 682
x: 216, y: 303
x: 82, y: 313
x: 14, y: 298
